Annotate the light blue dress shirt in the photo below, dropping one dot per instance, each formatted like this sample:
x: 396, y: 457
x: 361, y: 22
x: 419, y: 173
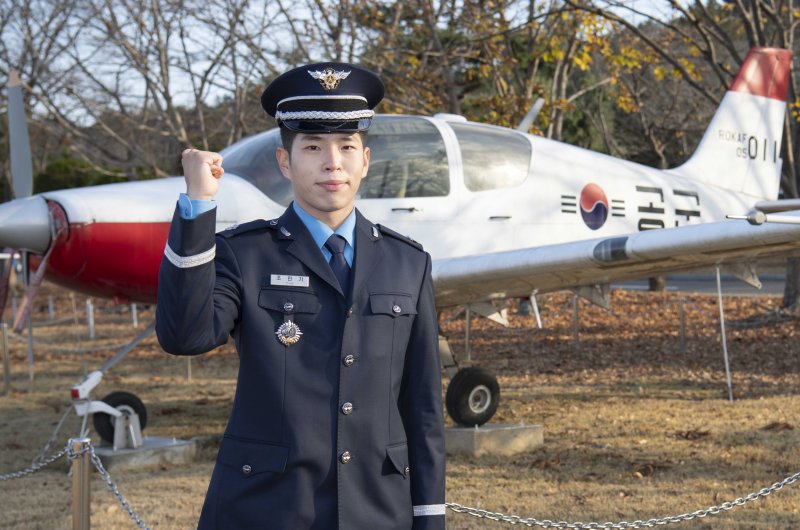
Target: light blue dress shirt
x: 321, y: 232
x: 191, y: 208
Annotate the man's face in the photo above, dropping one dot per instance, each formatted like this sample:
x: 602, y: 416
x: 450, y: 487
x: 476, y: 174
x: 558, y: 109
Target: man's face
x: 325, y: 170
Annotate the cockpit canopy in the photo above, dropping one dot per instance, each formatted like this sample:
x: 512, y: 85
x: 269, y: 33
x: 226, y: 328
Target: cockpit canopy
x: 408, y: 159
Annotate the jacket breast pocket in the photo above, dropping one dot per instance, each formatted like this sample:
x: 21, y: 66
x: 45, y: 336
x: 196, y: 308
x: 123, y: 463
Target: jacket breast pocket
x: 391, y: 318
x: 392, y: 304
x: 288, y: 302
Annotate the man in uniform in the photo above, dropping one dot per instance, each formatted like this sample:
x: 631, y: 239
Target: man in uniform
x: 337, y: 419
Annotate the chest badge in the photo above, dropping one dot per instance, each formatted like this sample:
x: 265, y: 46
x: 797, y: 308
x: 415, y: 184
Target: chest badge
x: 288, y: 333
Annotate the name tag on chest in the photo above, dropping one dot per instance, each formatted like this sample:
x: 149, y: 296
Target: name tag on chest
x: 288, y: 280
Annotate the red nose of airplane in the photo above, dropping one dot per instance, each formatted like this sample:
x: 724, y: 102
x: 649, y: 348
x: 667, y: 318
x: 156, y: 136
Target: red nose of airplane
x: 25, y: 225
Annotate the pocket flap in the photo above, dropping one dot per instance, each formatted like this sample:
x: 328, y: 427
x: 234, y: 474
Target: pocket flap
x: 286, y: 301
x: 253, y: 458
x: 398, y: 456
x: 392, y: 304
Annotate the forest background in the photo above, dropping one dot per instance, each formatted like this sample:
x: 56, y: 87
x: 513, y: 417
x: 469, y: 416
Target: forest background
x: 115, y: 89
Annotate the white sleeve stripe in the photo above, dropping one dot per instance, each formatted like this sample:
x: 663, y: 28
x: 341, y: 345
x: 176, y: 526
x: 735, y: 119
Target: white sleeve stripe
x: 184, y: 262
x: 429, y: 509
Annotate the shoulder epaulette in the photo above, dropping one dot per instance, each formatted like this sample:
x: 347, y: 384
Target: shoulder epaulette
x: 245, y: 227
x: 405, y: 239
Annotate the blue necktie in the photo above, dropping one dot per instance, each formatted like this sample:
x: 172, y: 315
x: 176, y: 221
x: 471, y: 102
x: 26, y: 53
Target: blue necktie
x: 338, y: 263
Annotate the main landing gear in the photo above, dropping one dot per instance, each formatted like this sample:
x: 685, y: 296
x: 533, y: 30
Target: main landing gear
x: 473, y: 394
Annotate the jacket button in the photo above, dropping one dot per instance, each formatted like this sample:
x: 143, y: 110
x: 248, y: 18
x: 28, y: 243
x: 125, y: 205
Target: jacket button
x: 345, y: 457
x: 348, y: 360
x: 347, y: 408
x: 406, y: 471
x: 350, y: 311
x: 288, y: 307
x: 396, y: 308
x: 246, y: 469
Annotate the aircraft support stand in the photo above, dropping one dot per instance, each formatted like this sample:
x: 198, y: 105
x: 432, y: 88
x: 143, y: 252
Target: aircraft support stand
x: 724, y: 338
x: 535, y: 305
x: 467, y: 329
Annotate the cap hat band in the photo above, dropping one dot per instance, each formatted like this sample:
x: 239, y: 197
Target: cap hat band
x: 323, y: 115
x: 322, y: 96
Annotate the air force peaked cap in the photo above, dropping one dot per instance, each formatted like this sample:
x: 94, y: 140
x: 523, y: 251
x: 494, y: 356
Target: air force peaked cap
x: 324, y: 97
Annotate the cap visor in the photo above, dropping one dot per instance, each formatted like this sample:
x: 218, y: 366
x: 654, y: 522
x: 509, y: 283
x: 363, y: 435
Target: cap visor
x: 306, y: 126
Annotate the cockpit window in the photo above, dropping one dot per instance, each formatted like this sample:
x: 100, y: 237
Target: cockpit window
x: 408, y: 159
x: 255, y: 162
x: 492, y: 157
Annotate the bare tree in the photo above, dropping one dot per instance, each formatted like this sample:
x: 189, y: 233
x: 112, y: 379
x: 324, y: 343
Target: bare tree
x: 127, y: 82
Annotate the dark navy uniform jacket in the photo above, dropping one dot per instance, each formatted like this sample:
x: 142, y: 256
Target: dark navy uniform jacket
x: 343, y: 429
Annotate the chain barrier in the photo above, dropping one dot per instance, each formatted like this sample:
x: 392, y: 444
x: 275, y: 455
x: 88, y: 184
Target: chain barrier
x: 34, y: 467
x: 458, y: 508
x: 112, y: 487
x: 649, y: 523
x: 98, y: 464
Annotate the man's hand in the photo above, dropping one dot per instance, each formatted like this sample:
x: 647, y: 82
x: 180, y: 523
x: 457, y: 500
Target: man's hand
x: 202, y: 171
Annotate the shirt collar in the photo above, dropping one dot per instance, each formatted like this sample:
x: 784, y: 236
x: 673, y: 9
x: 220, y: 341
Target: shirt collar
x: 321, y: 232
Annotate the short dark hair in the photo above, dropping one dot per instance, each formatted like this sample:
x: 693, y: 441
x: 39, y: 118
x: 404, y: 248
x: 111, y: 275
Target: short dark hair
x: 288, y: 136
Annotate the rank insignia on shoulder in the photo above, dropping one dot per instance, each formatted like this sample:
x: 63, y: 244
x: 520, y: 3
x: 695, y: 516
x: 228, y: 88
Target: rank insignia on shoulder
x: 288, y: 333
x: 240, y: 228
x: 391, y: 233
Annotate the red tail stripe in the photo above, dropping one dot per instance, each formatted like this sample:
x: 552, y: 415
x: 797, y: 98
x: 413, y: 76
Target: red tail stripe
x: 765, y: 72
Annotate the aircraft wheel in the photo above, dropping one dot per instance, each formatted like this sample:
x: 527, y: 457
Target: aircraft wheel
x: 123, y: 401
x: 472, y: 396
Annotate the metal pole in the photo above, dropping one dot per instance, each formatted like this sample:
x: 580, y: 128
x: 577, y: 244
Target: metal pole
x: 575, y: 322
x: 189, y: 367
x: 724, y: 339
x: 30, y: 351
x: 90, y: 317
x: 134, y: 316
x: 51, y: 313
x: 682, y: 313
x: 6, y: 370
x: 81, y: 492
x: 467, y: 329
x: 535, y: 305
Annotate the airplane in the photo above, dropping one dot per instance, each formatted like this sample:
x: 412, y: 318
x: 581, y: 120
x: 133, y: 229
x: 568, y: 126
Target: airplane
x: 503, y: 213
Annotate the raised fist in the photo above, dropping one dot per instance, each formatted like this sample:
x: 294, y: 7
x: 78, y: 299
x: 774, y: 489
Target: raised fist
x: 202, y: 171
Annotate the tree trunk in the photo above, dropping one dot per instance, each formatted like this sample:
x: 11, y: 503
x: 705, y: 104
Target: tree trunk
x: 657, y: 284
x: 791, y: 290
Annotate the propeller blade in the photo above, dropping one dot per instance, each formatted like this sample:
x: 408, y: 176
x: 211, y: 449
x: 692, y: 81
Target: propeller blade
x: 19, y: 144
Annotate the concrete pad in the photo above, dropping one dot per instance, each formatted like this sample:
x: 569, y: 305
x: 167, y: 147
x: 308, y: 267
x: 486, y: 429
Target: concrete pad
x: 155, y: 450
x: 493, y: 439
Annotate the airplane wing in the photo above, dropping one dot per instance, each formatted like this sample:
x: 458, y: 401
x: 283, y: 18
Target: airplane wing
x: 600, y: 261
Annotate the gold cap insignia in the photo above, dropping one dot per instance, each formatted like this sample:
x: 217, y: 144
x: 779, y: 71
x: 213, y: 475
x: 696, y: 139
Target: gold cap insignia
x: 329, y: 78
x: 288, y: 333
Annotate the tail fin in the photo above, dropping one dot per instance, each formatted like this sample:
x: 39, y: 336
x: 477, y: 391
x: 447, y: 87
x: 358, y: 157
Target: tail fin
x: 741, y: 148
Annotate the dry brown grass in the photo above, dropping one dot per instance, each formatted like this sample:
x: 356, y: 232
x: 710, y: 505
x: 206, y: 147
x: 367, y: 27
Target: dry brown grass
x: 634, y: 427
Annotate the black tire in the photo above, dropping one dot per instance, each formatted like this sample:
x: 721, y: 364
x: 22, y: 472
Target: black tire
x: 104, y: 423
x: 472, y: 396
